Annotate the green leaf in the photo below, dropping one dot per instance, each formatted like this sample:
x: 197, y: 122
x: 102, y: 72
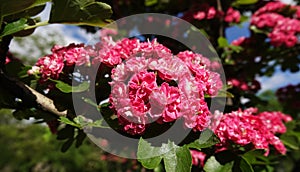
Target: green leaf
x: 206, y: 139
x: 150, y: 2
x: 256, y: 30
x: 66, y: 88
x: 213, y: 165
x: 65, y: 133
x: 80, y: 12
x: 253, y: 154
x: 67, y: 144
x: 245, y: 166
x: 13, y: 6
x: 25, y: 14
x: 222, y: 42
x: 14, y: 27
x: 148, y: 155
x: 23, y: 71
x: 92, y: 103
x: 176, y: 159
x: 290, y: 140
x: 245, y: 2
x: 13, y: 68
x: 80, y: 138
x: 67, y: 121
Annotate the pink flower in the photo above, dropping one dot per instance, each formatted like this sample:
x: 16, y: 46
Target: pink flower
x: 273, y: 121
x: 111, y: 53
x: 207, y: 81
x: 198, y: 158
x: 232, y: 16
x: 239, y: 41
x: 205, y: 12
x: 211, y: 13
x: 170, y: 100
x: 72, y: 54
x: 50, y: 66
x: 200, y: 15
x: 7, y: 60
x: 270, y: 7
x: 142, y: 92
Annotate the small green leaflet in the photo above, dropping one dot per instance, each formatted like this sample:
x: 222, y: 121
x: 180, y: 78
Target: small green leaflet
x: 206, y: 139
x: 14, y: 27
x: 222, y: 42
x: 69, y: 122
x: 245, y: 2
x: 66, y: 88
x: 81, y: 122
x: 213, y: 165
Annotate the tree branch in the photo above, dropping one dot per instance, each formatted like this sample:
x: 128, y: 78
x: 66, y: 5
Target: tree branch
x: 29, y: 96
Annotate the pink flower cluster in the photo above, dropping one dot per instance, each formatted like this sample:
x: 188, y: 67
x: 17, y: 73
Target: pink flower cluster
x: 50, y: 66
x: 232, y: 16
x: 204, y: 11
x: 112, y: 53
x: 242, y: 85
x: 282, y: 29
x: 143, y: 89
x: 249, y: 127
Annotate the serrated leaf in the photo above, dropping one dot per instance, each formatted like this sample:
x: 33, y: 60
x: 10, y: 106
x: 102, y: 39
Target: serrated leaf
x: 245, y: 166
x: 213, y: 165
x: 178, y: 159
x: 206, y: 139
x: 66, y: 88
x: 147, y: 155
x: 80, y: 12
x: 14, y: 27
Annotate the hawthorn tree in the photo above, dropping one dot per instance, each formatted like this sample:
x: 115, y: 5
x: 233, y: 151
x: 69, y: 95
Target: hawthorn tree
x: 145, y: 84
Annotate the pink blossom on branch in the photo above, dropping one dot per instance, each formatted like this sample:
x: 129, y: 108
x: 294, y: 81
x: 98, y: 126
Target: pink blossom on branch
x: 139, y: 98
x: 281, y: 28
x: 50, y: 66
x: 232, y: 16
x: 250, y: 127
